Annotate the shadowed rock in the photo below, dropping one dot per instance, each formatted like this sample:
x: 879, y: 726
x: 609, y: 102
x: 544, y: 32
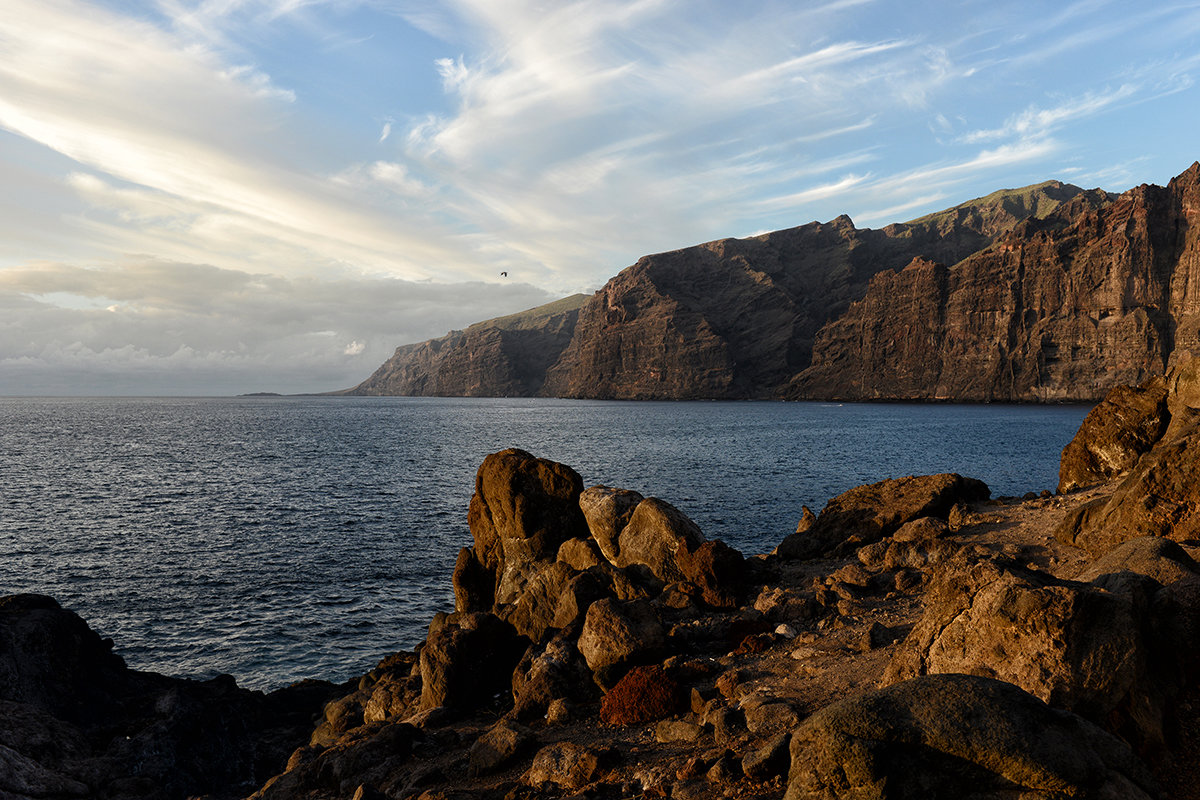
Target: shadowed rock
x: 1114, y: 435
x: 958, y: 737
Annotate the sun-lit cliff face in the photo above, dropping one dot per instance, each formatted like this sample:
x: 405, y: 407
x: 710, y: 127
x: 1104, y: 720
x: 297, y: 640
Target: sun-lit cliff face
x: 1044, y: 293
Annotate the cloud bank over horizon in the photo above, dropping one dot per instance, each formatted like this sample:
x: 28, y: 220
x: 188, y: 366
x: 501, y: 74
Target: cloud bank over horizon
x: 270, y: 195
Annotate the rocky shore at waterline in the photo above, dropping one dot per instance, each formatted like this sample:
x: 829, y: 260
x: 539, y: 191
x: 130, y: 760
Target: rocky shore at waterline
x: 916, y: 639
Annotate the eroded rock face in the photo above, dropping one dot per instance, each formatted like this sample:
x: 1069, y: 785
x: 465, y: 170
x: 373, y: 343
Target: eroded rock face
x: 866, y: 514
x: 1114, y: 435
x: 467, y: 659
x: 1091, y: 649
x: 958, y: 736
x: 1062, y: 308
x: 78, y: 723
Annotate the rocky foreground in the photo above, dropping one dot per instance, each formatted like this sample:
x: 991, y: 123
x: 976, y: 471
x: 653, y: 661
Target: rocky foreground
x: 915, y: 640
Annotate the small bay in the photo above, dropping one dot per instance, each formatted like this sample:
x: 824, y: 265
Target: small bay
x: 286, y: 538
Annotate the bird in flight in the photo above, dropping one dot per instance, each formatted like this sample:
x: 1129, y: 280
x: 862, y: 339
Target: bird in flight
x: 503, y: 274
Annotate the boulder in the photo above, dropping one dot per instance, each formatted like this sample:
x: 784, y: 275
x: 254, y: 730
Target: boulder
x: 770, y: 760
x: 716, y: 569
x: 655, y: 533
x: 533, y: 613
x: 556, y: 673
x: 1114, y: 435
x: 522, y: 510
x: 607, y: 511
x: 644, y: 694
x: 869, y: 513
x: 496, y: 749
x: 467, y: 659
x: 619, y: 635
x: 1076, y: 646
x: 962, y: 737
x: 1161, y: 559
x: 565, y: 765
x: 1159, y: 497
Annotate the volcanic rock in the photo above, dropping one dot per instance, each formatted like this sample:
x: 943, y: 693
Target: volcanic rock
x: 958, y: 736
x: 607, y: 511
x: 467, y: 659
x: 644, y: 694
x: 867, y: 514
x: 619, y: 635
x: 1114, y: 435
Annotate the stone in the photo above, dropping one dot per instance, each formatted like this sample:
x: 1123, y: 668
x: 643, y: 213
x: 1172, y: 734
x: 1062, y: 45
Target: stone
x: 535, y: 611
x: 958, y: 736
x: 565, y: 765
x: 618, y: 635
x: 467, y: 660
x: 607, y: 511
x: 1114, y: 435
x: 1161, y: 559
x: 770, y: 760
x: 718, y: 570
x: 644, y: 694
x: 1158, y: 497
x: 869, y: 513
x: 1080, y: 647
x: 677, y: 730
x: 522, y: 511
x: 556, y: 673
x: 502, y: 744
x: 655, y: 532
x: 580, y: 554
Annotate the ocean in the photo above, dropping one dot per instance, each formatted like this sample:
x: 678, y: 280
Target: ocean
x: 282, y: 538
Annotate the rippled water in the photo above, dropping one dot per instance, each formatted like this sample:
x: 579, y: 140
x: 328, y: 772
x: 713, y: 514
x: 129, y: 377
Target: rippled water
x: 284, y: 538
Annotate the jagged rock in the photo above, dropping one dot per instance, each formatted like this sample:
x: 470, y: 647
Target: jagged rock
x: 467, y: 660
x: 378, y: 749
x: 644, y: 694
x: 656, y: 531
x: 73, y: 714
x: 565, y: 765
x: 557, y: 673
x: 869, y: 513
x: 962, y: 737
x: 716, y: 569
x: 618, y: 635
x: 1085, y: 648
x: 1114, y: 435
x: 1161, y: 559
x: 522, y: 510
x: 607, y: 511
x: 502, y: 744
x: 580, y: 554
x: 770, y: 760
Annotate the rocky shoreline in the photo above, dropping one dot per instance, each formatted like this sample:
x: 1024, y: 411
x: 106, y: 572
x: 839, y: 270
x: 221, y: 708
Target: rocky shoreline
x: 915, y: 639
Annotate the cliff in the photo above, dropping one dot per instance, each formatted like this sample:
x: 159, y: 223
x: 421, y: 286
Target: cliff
x: 503, y: 357
x: 1060, y: 308
x: 734, y: 318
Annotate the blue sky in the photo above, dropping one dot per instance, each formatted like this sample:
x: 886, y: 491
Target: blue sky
x: 218, y: 196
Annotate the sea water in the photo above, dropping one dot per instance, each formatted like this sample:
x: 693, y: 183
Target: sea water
x: 286, y: 538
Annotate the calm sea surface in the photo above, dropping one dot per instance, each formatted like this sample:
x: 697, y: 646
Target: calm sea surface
x: 285, y: 538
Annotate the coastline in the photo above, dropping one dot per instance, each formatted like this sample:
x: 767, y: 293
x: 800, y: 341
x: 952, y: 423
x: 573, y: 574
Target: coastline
x: 768, y: 658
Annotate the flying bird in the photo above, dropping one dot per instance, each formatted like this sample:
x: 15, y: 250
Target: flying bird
x: 503, y: 274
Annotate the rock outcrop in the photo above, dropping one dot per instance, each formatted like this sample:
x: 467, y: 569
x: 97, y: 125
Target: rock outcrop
x: 1159, y: 495
x: 75, y: 722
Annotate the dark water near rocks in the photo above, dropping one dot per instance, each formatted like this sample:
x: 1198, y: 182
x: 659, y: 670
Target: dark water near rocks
x: 284, y: 538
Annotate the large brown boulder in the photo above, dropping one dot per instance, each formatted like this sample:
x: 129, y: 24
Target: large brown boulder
x: 467, y: 659
x: 866, y: 514
x: 1159, y: 497
x: 1114, y: 435
x: 1087, y: 648
x: 607, y: 511
x: 958, y: 737
x: 656, y: 531
x: 523, y: 509
x: 619, y: 635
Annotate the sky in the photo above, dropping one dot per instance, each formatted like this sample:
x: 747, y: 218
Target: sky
x: 210, y: 197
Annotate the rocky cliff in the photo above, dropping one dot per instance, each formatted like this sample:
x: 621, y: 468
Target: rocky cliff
x: 734, y: 318
x: 1059, y: 308
x: 503, y: 357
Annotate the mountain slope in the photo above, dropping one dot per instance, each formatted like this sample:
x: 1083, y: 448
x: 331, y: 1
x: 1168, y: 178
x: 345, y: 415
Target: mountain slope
x: 734, y: 318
